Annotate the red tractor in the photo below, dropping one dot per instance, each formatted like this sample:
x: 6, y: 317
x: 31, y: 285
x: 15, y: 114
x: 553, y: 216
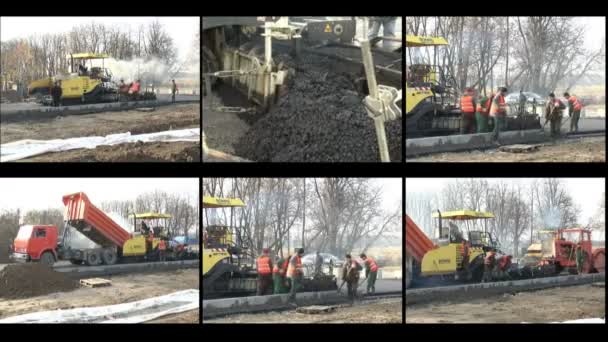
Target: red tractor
x: 559, y: 252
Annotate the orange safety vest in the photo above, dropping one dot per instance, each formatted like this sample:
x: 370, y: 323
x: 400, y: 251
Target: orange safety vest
x: 484, y: 108
x: 372, y: 264
x: 575, y: 102
x: 466, y: 104
x: 161, y: 245
x: 264, y: 265
x: 291, y: 270
x: 498, y: 109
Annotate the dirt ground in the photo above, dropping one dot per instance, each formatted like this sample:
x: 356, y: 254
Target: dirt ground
x: 100, y: 124
x: 384, y: 311
x: 184, y: 317
x: 550, y: 305
x: 132, y: 152
x: 582, y: 150
x: 125, y: 288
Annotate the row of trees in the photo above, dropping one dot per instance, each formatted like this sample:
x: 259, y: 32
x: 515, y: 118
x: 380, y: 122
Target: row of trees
x: 520, y: 210
x: 333, y: 215
x: 45, y: 55
x: 183, y: 209
x: 534, y: 53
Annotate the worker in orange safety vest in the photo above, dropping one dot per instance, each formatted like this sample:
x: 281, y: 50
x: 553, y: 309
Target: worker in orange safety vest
x: 264, y: 268
x: 371, y: 272
x: 162, y: 247
x: 574, y: 111
x: 467, y: 108
x: 295, y: 273
x: 498, y: 111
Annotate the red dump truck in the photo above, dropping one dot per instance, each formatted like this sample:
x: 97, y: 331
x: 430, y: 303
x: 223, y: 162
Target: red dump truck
x: 114, y: 243
x: 416, y: 245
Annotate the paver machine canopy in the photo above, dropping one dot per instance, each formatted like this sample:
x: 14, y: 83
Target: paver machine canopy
x: 447, y: 259
x: 225, y: 266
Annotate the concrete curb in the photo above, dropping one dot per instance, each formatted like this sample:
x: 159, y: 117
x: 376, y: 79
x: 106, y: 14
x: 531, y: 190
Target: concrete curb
x: 229, y: 306
x: 470, y: 291
x: 455, y: 143
x: 52, y: 112
x: 94, y: 271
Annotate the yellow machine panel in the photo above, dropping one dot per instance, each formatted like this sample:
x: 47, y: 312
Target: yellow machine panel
x: 441, y: 260
x: 76, y: 87
x: 213, y: 256
x: 446, y: 259
x: 413, y: 96
x: 135, y: 246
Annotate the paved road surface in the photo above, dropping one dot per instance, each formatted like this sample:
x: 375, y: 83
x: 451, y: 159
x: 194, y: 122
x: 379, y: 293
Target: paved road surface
x: 11, y: 107
x: 590, y: 124
x: 385, y: 285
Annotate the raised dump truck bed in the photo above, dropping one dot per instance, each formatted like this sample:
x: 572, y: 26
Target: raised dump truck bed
x: 81, y: 214
x: 416, y: 242
x: 416, y: 245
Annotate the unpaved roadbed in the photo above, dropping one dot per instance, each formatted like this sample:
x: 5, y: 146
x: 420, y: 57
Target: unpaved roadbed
x: 124, y: 288
x: 551, y: 305
x: 579, y: 150
x: 101, y: 124
x: 384, y: 311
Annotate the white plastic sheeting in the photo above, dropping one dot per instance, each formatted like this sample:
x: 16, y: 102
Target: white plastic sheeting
x: 28, y: 148
x: 134, y: 312
x: 587, y: 320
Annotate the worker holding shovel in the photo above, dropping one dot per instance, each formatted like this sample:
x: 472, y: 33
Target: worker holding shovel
x: 350, y: 275
x: 371, y: 272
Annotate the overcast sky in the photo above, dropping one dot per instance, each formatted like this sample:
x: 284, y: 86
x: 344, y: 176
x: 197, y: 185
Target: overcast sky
x: 586, y: 192
x: 181, y: 29
x: 43, y: 193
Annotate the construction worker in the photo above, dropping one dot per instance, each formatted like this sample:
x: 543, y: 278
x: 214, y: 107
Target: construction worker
x: 580, y: 259
x: 498, y: 111
x: 294, y: 273
x: 553, y: 113
x: 144, y: 229
x: 350, y: 275
x: 135, y: 87
x: 465, y: 259
x: 371, y: 273
x: 264, y: 268
x: 318, y: 263
x: 481, y: 114
x: 522, y: 103
x: 574, y: 111
x: 467, y: 107
x: 278, y: 277
x: 502, y: 267
x: 489, y: 263
x: 56, y: 93
x: 162, y: 247
x: 173, y: 90
x: 389, y: 25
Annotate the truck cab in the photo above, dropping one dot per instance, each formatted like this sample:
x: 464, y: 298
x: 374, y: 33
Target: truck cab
x: 36, y: 243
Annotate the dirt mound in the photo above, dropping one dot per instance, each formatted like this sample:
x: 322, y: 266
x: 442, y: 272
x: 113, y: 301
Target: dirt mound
x: 28, y: 280
x: 5, y: 241
x: 321, y: 118
x: 132, y: 152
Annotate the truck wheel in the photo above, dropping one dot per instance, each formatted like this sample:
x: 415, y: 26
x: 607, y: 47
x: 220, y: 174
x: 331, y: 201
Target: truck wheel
x: 109, y: 257
x: 47, y: 258
x: 93, y: 259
